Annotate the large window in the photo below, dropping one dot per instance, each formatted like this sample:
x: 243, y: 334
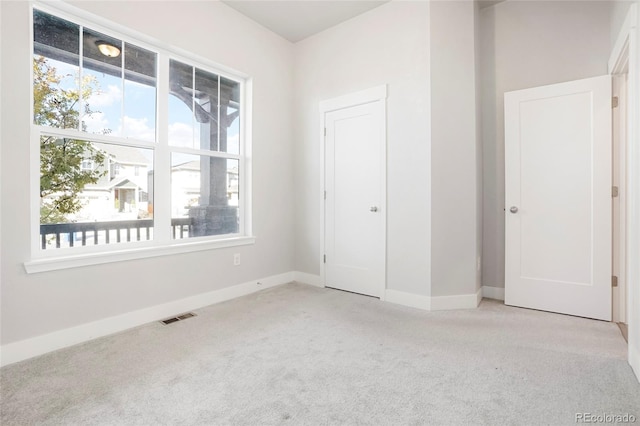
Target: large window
x: 110, y: 172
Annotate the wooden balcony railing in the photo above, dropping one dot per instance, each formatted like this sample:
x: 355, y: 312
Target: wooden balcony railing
x: 107, y: 232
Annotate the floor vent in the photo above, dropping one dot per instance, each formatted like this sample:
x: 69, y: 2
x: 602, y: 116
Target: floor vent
x: 178, y: 318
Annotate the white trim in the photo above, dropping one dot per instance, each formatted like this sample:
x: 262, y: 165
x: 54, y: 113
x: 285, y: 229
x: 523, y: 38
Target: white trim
x: 619, y: 135
x: 496, y: 293
x: 29, y: 348
x: 463, y: 301
x: 309, y: 279
x: 408, y: 299
x: 373, y: 94
x: 66, y: 262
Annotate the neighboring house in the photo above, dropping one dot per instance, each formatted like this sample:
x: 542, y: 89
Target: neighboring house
x: 185, y: 188
x: 186, y: 184
x: 122, y: 192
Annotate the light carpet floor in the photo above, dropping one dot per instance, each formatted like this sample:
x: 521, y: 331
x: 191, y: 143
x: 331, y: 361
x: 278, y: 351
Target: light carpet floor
x: 300, y: 355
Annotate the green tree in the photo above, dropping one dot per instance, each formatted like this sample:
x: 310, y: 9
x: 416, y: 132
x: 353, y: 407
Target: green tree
x: 61, y: 174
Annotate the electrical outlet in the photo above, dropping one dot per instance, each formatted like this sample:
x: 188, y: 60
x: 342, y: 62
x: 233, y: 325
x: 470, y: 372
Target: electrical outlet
x: 236, y: 259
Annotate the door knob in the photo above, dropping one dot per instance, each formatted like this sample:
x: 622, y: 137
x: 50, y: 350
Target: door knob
x: 513, y: 209
x: 373, y: 209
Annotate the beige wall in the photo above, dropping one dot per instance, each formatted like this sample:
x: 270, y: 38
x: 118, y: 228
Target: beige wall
x: 454, y: 195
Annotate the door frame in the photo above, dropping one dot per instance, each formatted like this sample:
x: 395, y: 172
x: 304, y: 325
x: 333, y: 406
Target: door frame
x: 625, y: 55
x: 374, y: 94
x: 619, y: 174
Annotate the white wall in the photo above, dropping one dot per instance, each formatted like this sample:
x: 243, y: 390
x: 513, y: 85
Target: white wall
x: 388, y: 45
x: 454, y: 195
x: 41, y: 303
x: 527, y: 44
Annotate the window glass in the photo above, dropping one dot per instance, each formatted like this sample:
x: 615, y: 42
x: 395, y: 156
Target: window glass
x: 207, y: 117
x: 56, y: 68
x: 139, y: 93
x: 206, y: 110
x: 109, y: 90
x: 181, y: 105
x: 90, y: 193
x: 101, y: 85
x: 204, y: 191
x: 229, y: 116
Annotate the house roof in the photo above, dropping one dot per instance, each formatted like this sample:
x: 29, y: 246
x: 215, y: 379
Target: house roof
x: 189, y: 165
x: 123, y: 183
x: 125, y: 155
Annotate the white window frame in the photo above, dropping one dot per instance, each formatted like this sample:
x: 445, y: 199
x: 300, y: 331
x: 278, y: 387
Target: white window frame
x: 89, y: 165
x: 162, y: 243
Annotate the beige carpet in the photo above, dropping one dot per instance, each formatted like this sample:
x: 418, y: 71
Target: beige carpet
x: 300, y: 355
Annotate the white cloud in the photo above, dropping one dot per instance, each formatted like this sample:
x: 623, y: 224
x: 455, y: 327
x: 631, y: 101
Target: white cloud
x: 105, y: 98
x: 96, y: 122
x: 181, y: 134
x: 138, y: 128
x: 233, y: 144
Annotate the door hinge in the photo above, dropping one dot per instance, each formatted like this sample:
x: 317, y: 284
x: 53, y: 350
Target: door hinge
x: 324, y: 258
x: 325, y: 195
x: 614, y: 102
x: 614, y: 191
x: 325, y: 131
x: 614, y: 281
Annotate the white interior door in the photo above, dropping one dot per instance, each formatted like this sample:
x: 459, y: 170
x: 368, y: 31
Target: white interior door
x: 354, y: 205
x: 558, y: 198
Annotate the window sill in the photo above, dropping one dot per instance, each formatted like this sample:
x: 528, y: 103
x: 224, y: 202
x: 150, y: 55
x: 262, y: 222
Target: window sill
x: 75, y: 261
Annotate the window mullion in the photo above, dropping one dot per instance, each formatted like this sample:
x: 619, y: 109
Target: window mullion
x: 162, y: 158
x: 80, y: 78
x: 123, y: 132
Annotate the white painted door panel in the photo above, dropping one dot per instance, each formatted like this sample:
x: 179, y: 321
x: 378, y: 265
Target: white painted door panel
x: 558, y: 176
x: 354, y: 234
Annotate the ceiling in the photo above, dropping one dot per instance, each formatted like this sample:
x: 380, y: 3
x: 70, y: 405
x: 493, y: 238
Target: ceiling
x: 297, y: 20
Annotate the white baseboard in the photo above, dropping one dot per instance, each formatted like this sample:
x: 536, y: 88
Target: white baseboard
x: 441, y: 303
x: 29, y: 348
x: 304, y: 278
x: 463, y: 301
x: 634, y: 360
x: 493, y: 292
x: 407, y: 299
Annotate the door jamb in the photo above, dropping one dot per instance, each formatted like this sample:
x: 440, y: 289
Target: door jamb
x: 619, y: 136
x: 374, y: 94
x: 626, y: 51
